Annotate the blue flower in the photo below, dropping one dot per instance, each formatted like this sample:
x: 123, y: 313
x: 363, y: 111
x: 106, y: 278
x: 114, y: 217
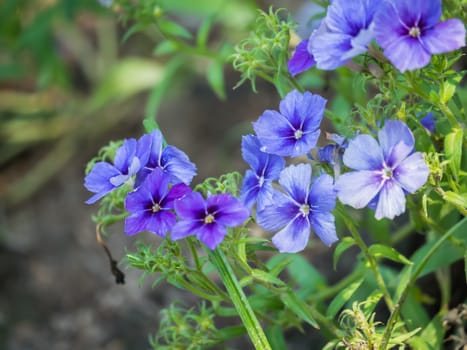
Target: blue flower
x: 332, y: 153
x: 105, y: 177
x: 385, y: 171
x: 151, y: 205
x: 303, y: 206
x: 257, y: 183
x: 428, y: 122
x: 301, y: 59
x: 207, y: 219
x: 344, y: 33
x: 170, y: 159
x: 410, y: 32
x: 293, y: 131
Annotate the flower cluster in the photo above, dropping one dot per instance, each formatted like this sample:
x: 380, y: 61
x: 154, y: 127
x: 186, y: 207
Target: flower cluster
x: 407, y: 32
x: 160, y: 176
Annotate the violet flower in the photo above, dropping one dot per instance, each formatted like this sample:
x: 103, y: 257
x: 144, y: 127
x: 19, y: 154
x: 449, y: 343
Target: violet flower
x: 410, y: 32
x: 208, y: 219
x: 301, y: 60
x: 170, y: 159
x: 105, y: 177
x: 303, y: 206
x: 344, y: 33
x: 151, y: 205
x: 428, y: 122
x: 265, y: 168
x: 385, y: 171
x: 293, y: 131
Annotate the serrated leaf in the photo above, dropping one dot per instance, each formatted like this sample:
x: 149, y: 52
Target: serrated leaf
x: 175, y: 29
x: 215, y: 76
x: 340, y: 299
x: 299, y: 308
x: 380, y: 250
x: 344, y: 244
x: 453, y: 149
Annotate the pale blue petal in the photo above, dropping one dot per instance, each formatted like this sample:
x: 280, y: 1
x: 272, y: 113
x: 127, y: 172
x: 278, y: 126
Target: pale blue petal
x: 296, y: 181
x: 394, y: 132
x: 294, y: 237
x: 177, y: 164
x: 412, y: 173
x: 445, y: 37
x: 322, y: 194
x: 363, y: 153
x: 125, y: 155
x: 279, y: 214
x: 324, y: 227
x: 391, y: 202
x: 358, y: 188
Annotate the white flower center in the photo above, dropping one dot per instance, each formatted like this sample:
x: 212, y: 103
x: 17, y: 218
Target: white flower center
x: 156, y: 207
x: 414, y: 32
x: 305, y: 209
x: 209, y: 219
x: 298, y: 134
x: 387, y: 173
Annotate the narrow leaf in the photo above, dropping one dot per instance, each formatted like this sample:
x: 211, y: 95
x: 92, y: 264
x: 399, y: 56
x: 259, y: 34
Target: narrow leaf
x: 175, y: 29
x: 453, y: 149
x: 299, y: 308
x: 344, y: 295
x: 379, y: 250
x: 215, y: 76
x: 341, y: 247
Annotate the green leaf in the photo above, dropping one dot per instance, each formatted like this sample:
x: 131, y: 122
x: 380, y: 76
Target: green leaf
x: 453, y: 149
x: 379, y: 250
x: 413, y: 312
x: 215, y: 76
x: 203, y: 32
x: 263, y: 276
x: 465, y: 264
x: 276, y: 338
x: 175, y: 29
x: 458, y: 199
x: 431, y: 337
x: 166, y: 47
x: 344, y: 295
x: 299, y: 308
x: 344, y: 244
x: 305, y: 275
x: 447, y: 91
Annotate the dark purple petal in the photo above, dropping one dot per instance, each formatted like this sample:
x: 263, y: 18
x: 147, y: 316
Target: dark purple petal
x: 156, y: 183
x: 177, y: 191
x: 391, y: 201
x: 363, y: 153
x: 212, y: 235
x: 301, y: 60
x: 160, y: 223
x: 275, y: 133
x: 296, y: 181
x: 445, y: 37
x: 138, y: 200
x: 176, y: 163
x: 412, y: 173
x: 278, y: 215
x: 323, y: 195
x: 185, y: 228
x: 230, y: 211
x: 324, y: 227
x: 358, y: 188
x: 424, y: 13
x: 294, y: 237
x: 125, y: 155
x: 136, y: 222
x: 392, y: 134
x: 428, y: 122
x: 191, y: 207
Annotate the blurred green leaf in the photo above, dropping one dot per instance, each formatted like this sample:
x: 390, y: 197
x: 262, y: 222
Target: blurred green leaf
x: 203, y: 32
x: 344, y: 244
x: 431, y: 338
x: 343, y: 297
x: 175, y: 29
x: 166, y: 47
x: 276, y: 338
x: 380, y: 250
x: 126, y: 78
x: 453, y: 148
x: 298, y: 307
x: 215, y: 76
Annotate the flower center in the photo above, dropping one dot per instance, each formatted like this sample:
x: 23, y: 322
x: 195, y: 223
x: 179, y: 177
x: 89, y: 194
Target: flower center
x: 156, y: 207
x: 414, y: 32
x: 298, y: 134
x: 305, y: 209
x: 387, y: 173
x: 261, y: 181
x: 209, y: 219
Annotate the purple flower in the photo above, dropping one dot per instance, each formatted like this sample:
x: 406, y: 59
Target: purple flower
x: 301, y: 59
x: 410, y: 32
x: 385, y: 171
x: 293, y: 131
x: 332, y: 153
x: 428, y: 122
x: 129, y: 159
x: 208, y: 219
x: 344, y: 33
x: 151, y: 205
x: 170, y: 159
x: 303, y: 206
x: 257, y: 183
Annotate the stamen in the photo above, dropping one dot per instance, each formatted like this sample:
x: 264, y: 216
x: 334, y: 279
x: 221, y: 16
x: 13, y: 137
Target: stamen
x: 305, y: 209
x: 387, y: 173
x: 209, y: 219
x: 414, y: 32
x: 298, y: 134
x: 156, y: 207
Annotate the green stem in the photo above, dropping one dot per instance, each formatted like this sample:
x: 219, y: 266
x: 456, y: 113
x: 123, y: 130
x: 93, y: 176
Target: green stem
x: 336, y: 288
x: 239, y: 299
x: 400, y: 301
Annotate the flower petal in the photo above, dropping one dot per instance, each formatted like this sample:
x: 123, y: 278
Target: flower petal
x: 136, y: 222
x: 412, y: 173
x: 363, y: 153
x: 323, y: 195
x: 294, y: 237
x: 296, y: 181
x: 407, y: 53
x: 445, y: 36
x: 230, y: 211
x: 191, y: 207
x: 394, y: 132
x: 391, y: 201
x: 301, y: 60
x: 124, y: 155
x: 212, y: 235
x: 161, y: 222
x: 275, y: 133
x: 358, y: 188
x: 324, y: 226
x: 250, y: 189
x: 276, y: 216
x: 98, y: 180
x: 138, y: 200
x: 185, y: 228
x: 176, y: 163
